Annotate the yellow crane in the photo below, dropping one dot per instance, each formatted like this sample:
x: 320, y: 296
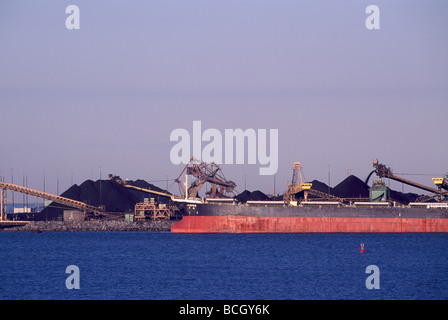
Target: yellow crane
x: 296, y: 184
x: 441, y: 183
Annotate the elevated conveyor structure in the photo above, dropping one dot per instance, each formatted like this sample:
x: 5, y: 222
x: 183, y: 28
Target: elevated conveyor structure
x: 118, y: 180
x: 48, y: 196
x: 386, y: 172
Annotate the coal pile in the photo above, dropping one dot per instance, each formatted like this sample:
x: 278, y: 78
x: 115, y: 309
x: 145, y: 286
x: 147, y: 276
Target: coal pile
x: 112, y: 195
x: 117, y: 198
x: 243, y: 196
x: 351, y: 187
x: 404, y: 198
x: 319, y: 186
x: 256, y: 195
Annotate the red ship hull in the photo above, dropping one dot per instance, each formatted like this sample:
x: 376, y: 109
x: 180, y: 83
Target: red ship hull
x: 249, y: 224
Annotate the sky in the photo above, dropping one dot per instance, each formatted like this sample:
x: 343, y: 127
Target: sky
x: 77, y: 103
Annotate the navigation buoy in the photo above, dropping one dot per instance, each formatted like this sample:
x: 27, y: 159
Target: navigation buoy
x: 362, y: 248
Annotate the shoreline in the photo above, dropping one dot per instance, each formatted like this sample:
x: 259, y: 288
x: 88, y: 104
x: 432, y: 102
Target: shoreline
x: 94, y: 225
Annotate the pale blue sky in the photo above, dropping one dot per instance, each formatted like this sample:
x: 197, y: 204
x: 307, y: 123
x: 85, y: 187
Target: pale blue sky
x: 110, y: 93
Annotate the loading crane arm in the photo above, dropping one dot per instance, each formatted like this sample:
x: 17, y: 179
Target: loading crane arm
x: 207, y: 172
x: 125, y: 184
x: 385, y: 172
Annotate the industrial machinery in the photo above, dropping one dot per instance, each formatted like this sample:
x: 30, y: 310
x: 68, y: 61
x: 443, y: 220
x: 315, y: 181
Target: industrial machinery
x: 152, y: 210
x: 149, y: 208
x: 297, y: 184
x: 205, y: 172
x: 441, y: 183
x: 97, y: 211
x: 125, y: 184
x: 378, y: 191
x: 385, y: 172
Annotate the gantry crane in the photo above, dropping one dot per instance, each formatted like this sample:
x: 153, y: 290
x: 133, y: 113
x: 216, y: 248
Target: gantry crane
x: 206, y: 172
x: 297, y: 184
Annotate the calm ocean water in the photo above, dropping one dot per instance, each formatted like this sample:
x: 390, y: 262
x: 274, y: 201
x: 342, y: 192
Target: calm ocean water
x: 140, y: 265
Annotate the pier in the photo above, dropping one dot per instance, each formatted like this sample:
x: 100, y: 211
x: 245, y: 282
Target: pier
x: 12, y: 224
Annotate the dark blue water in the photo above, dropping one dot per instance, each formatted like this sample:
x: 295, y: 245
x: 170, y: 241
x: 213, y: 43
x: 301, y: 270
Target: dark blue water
x: 139, y: 265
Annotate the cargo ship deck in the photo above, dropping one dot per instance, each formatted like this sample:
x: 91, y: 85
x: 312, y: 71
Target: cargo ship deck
x: 263, y: 218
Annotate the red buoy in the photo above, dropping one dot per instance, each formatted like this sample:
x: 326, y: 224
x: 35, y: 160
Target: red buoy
x: 362, y: 248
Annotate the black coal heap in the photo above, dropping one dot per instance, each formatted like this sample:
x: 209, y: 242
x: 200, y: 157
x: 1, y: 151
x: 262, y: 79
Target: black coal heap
x: 114, y: 196
x: 117, y: 198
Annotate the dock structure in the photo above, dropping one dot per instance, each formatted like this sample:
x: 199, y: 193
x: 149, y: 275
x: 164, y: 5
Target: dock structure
x: 3, y: 204
x: 149, y: 209
x: 11, y: 224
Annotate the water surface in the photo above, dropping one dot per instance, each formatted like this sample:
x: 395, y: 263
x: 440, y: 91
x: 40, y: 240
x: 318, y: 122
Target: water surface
x: 144, y: 265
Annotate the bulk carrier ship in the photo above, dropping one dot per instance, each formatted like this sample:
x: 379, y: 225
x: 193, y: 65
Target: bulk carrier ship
x: 219, y: 214
x: 269, y: 218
